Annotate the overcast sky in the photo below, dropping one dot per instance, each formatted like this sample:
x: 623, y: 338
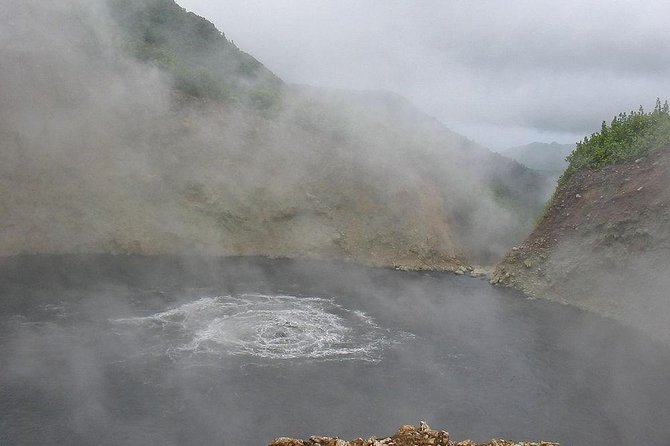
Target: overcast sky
x: 503, y: 73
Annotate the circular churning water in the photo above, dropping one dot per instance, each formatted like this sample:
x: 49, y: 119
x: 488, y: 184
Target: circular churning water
x: 265, y: 326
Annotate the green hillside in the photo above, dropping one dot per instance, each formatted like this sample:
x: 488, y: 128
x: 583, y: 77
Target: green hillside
x: 603, y: 241
x: 201, y: 60
x: 145, y: 131
x: 629, y: 136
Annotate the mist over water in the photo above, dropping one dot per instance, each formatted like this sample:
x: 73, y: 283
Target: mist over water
x: 188, y: 351
x: 101, y: 154
x: 263, y: 326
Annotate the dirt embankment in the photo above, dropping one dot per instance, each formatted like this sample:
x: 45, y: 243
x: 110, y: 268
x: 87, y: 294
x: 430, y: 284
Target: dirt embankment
x: 603, y: 245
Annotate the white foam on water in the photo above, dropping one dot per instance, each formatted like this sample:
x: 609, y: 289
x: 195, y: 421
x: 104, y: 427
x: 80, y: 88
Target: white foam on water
x: 274, y: 327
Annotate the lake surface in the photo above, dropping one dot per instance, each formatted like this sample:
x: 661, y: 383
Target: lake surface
x: 115, y: 350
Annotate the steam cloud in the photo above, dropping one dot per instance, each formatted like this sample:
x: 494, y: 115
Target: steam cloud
x: 102, y: 157
x: 98, y: 155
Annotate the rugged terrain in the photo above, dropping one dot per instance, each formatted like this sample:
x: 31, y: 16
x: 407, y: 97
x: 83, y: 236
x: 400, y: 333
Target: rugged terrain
x: 407, y: 435
x: 603, y: 245
x: 138, y: 128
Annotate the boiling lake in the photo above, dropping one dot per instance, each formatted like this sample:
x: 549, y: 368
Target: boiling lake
x: 118, y: 350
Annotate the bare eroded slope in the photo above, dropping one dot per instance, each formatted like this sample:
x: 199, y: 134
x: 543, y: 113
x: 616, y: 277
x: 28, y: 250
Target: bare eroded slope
x: 604, y: 245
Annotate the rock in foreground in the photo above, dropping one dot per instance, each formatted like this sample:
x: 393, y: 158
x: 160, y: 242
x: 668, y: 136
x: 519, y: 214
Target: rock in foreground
x: 407, y: 435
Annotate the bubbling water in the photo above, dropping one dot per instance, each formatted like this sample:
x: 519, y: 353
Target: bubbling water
x: 264, y: 326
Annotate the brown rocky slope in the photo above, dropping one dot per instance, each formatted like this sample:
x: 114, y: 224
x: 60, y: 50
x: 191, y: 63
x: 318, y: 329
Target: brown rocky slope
x: 407, y: 435
x: 603, y: 245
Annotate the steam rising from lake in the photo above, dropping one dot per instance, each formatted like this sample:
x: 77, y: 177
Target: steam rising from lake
x: 189, y: 351
x: 264, y: 326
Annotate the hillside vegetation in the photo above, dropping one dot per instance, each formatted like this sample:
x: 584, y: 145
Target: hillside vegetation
x: 136, y: 127
x: 629, y: 136
x: 603, y: 243
x: 201, y: 61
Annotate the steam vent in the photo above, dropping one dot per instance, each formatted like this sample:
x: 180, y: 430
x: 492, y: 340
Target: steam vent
x: 407, y: 435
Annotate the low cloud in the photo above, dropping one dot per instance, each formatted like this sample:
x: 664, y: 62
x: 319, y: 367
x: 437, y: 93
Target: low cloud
x: 551, y: 68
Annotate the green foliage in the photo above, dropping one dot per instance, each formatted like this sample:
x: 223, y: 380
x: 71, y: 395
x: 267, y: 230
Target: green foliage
x: 629, y: 136
x: 265, y: 99
x: 150, y: 53
x: 247, y: 67
x: 201, y: 61
x: 201, y: 84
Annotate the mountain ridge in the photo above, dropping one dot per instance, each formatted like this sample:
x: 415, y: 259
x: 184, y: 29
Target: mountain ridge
x: 547, y: 157
x: 113, y: 154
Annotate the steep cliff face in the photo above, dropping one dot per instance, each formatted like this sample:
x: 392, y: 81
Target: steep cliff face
x: 117, y: 135
x: 604, y: 245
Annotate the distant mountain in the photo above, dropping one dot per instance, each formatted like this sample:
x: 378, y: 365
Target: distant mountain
x: 133, y: 126
x: 546, y: 157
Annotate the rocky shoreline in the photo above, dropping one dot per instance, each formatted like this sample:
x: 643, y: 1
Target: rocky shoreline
x: 406, y: 435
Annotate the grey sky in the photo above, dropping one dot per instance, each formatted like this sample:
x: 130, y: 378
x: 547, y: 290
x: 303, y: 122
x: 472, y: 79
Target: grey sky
x: 502, y: 73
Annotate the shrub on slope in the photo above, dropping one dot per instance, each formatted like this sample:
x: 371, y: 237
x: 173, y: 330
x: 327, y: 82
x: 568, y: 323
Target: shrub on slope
x: 629, y: 136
